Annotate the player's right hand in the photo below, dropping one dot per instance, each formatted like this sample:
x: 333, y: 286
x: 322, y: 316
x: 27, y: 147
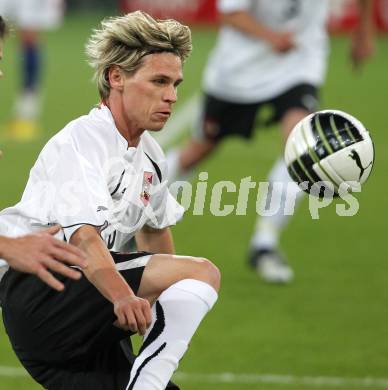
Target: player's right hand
x: 41, y: 253
x: 133, y: 313
x: 281, y: 42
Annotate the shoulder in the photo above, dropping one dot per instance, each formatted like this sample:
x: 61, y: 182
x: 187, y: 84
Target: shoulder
x: 89, y: 131
x: 152, y: 147
x: 86, y: 136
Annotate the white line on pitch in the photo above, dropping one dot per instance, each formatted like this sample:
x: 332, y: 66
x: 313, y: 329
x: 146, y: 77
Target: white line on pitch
x: 12, y: 371
x: 246, y: 379
x: 179, y: 122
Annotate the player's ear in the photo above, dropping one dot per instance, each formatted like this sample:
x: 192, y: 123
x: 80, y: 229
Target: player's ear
x: 116, y: 77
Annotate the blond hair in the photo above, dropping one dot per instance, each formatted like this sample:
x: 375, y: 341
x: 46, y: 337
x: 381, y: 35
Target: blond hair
x: 125, y: 40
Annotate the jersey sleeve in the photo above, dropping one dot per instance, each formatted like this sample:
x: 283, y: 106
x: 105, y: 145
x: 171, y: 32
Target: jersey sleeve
x: 225, y: 6
x: 82, y: 194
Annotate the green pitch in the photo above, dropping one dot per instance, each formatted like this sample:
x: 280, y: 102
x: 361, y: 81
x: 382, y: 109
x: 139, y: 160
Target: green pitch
x: 332, y: 321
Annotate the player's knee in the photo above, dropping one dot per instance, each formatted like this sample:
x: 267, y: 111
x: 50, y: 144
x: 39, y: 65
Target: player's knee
x: 208, y: 272
x: 207, y: 148
x: 195, y: 152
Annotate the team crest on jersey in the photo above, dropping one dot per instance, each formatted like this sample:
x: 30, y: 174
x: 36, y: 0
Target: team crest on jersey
x: 146, y: 188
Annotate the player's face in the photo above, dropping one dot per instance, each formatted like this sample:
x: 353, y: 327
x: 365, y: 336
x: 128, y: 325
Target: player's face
x: 150, y: 93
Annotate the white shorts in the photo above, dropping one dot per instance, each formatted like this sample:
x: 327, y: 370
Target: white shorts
x: 33, y: 14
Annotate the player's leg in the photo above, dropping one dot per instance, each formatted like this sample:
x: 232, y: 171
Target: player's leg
x: 31, y: 72
x: 27, y: 106
x: 23, y: 126
x: 32, y: 17
x: 183, y: 290
x: 181, y: 162
x: 67, y: 341
x: 291, y: 107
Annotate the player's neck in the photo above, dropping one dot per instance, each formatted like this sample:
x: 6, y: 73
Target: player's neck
x: 127, y: 128
x: 132, y: 137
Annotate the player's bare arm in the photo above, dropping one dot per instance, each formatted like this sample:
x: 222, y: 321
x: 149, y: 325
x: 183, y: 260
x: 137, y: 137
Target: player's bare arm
x: 133, y: 313
x: 243, y: 21
x: 363, y: 38
x: 155, y: 240
x: 41, y: 253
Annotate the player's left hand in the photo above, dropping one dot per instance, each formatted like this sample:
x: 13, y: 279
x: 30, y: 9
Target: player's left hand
x: 133, y: 313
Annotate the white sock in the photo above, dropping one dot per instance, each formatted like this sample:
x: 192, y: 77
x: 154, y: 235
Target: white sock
x: 176, y: 316
x: 268, y: 228
x: 28, y: 105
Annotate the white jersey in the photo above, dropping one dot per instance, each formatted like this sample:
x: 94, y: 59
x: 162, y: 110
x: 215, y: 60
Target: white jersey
x: 245, y: 69
x: 87, y: 175
x: 33, y: 14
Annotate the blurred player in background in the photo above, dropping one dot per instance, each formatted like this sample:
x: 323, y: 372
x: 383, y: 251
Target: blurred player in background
x: 3, y: 33
x: 30, y: 18
x: 103, y: 178
x: 41, y: 252
x: 267, y: 53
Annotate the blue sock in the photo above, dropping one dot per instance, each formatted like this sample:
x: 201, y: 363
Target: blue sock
x: 31, y: 66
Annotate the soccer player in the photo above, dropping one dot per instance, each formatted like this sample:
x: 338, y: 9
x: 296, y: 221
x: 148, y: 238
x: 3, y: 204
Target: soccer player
x: 103, y: 178
x: 38, y: 253
x: 31, y: 17
x: 268, y: 53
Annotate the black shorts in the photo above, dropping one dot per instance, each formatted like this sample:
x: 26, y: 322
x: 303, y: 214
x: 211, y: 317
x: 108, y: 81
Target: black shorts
x: 221, y: 118
x: 67, y: 341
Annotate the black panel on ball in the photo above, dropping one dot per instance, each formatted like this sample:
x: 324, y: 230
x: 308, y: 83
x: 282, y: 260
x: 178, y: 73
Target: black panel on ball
x: 332, y: 132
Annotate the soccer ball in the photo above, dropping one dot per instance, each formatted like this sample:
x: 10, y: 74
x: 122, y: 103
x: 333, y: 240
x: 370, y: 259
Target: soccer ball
x: 329, y: 153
